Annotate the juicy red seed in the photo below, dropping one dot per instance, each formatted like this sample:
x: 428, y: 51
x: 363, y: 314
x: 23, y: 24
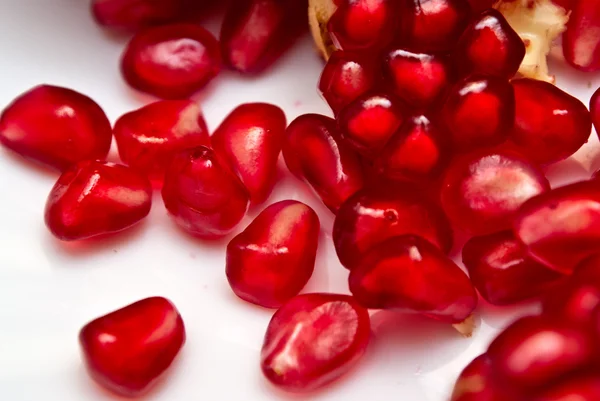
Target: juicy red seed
x: 148, y: 138
x: 274, y: 257
x: 374, y: 215
x: 502, y: 272
x: 250, y: 140
x: 370, y: 121
x: 561, y: 227
x: 581, y: 42
x: 93, y: 198
x: 595, y: 109
x: 482, y: 191
x: 417, y: 78
x: 256, y: 32
x: 314, y: 152
x: 478, y: 6
x: 171, y: 61
x: 346, y: 76
x: 550, y: 125
x: 298, y: 352
x: 489, y: 46
x: 410, y: 274
x: 416, y: 152
x: 55, y: 126
x: 433, y: 25
x: 128, y: 350
x: 585, y: 388
x: 204, y: 197
x: 363, y: 24
x: 537, y: 350
x: 479, y: 112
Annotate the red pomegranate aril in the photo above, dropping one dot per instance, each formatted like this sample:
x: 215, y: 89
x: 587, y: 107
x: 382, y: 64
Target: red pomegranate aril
x: 374, y: 215
x: 315, y: 153
x: 204, y: 197
x: 417, y: 78
x: 581, y: 40
x: 410, y: 274
x: 502, y: 272
x: 585, y: 388
x: 482, y: 191
x: 313, y: 340
x: 479, y: 112
x: 346, y: 76
x: 477, y: 6
x: 129, y: 349
x: 595, y: 109
x: 561, y: 227
x: 93, y: 198
x: 274, y: 257
x: 148, y: 138
x: 550, y: 125
x: 55, y: 126
x: 489, y: 46
x: 171, y: 61
x: 255, y: 33
x: 250, y: 140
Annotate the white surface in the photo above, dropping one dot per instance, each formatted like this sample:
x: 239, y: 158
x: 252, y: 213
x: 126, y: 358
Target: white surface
x: 49, y: 290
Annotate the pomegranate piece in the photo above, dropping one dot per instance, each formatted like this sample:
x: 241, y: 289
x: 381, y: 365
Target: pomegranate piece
x: 479, y: 112
x: 93, y: 198
x: 55, y: 126
x: 255, y: 33
x: 410, y: 274
x: 502, y: 272
x: 363, y: 24
x: 586, y: 388
x: 128, y: 350
x: 148, y: 138
x: 374, y: 215
x: 581, y: 42
x: 346, y: 76
x: 562, y: 227
x: 204, y: 197
x: 595, y: 109
x: 313, y: 340
x: 482, y: 191
x: 416, y: 152
x: 490, y: 47
x: 171, y: 61
x: 315, y: 153
x: 433, y: 25
x: 417, y: 78
x: 370, y: 121
x: 250, y: 140
x: 274, y: 257
x: 550, y: 125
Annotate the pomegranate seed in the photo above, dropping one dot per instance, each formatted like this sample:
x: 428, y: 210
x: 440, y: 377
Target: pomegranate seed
x: 363, y: 24
x: 501, y: 271
x: 482, y: 191
x: 314, y: 152
x: 256, y: 32
x: 411, y: 274
x: 202, y: 195
x: 433, y: 25
x: 490, y: 47
x: 550, y: 125
x: 250, y: 140
x: 416, y: 152
x: 370, y: 121
x: 586, y: 388
x: 346, y: 76
x: 274, y: 257
x: 55, y: 126
x: 374, y: 215
x: 93, y: 198
x: 477, y: 6
x: 417, y: 78
x: 581, y: 42
x: 171, y: 61
x: 562, y: 227
x: 479, y: 112
x: 314, y: 339
x: 595, y: 109
x: 128, y: 350
x: 148, y: 138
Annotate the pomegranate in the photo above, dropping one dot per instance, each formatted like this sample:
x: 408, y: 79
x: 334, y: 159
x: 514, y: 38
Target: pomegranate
x: 585, y: 388
x: 595, y: 109
x: 581, y: 42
